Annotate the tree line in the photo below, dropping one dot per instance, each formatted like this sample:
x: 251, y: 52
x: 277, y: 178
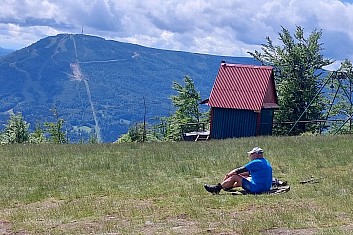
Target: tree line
x: 17, y: 131
x: 187, y: 111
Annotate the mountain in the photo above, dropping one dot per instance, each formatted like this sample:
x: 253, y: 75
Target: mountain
x: 97, y: 85
x: 4, y: 51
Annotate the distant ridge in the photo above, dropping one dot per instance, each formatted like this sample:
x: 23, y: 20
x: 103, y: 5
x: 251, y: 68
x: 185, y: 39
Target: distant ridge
x: 98, y: 85
x: 4, y: 51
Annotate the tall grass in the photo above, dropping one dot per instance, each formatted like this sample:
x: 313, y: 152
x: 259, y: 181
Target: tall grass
x: 157, y: 188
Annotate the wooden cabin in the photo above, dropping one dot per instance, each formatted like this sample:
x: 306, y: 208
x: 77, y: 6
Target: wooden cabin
x: 242, y: 101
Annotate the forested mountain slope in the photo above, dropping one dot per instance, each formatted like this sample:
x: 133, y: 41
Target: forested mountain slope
x: 97, y: 85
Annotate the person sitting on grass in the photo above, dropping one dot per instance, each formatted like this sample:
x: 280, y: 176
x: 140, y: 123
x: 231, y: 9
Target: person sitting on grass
x: 255, y: 177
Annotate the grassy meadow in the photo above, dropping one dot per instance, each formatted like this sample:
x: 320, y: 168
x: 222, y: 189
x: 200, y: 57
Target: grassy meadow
x: 157, y: 188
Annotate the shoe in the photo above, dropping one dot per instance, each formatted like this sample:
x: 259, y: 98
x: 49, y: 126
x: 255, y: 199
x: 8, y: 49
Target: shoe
x: 214, y: 189
x: 229, y: 189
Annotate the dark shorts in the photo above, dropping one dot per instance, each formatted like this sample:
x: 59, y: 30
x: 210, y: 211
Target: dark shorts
x: 246, y: 185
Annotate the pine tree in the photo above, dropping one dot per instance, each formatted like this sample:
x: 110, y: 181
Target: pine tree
x: 16, y: 130
x: 187, y: 111
x: 55, y: 129
x: 37, y: 136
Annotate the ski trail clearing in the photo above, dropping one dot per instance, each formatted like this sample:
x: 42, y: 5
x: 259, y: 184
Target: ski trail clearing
x: 77, y: 75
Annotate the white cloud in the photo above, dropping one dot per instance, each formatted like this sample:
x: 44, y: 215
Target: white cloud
x: 228, y: 27
x: 334, y: 66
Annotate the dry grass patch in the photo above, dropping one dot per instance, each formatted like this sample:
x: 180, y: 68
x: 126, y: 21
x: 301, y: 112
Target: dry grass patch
x: 282, y: 231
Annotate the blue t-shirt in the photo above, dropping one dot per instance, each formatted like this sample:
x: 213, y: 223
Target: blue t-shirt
x: 261, y: 175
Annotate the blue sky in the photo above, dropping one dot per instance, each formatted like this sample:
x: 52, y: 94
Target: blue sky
x: 227, y: 27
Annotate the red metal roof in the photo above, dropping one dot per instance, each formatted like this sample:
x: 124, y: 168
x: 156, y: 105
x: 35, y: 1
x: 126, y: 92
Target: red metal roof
x: 244, y: 87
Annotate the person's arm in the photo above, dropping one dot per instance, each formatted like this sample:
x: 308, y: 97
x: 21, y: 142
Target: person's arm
x: 238, y: 171
x: 245, y: 174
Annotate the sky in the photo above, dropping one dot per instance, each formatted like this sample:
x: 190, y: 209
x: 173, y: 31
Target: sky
x: 226, y: 27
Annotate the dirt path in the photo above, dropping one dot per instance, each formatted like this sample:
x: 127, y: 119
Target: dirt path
x: 5, y: 227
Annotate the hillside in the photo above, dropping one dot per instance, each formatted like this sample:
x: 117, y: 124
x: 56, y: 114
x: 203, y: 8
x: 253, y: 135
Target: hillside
x: 157, y: 188
x: 97, y: 85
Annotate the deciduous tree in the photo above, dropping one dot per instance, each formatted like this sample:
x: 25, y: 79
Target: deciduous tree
x: 298, y: 64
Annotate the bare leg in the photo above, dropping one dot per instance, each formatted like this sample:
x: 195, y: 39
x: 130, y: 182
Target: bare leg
x: 232, y: 181
x: 228, y: 183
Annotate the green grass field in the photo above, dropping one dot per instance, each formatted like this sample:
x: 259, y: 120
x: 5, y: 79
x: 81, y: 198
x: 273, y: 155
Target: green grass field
x: 157, y: 188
